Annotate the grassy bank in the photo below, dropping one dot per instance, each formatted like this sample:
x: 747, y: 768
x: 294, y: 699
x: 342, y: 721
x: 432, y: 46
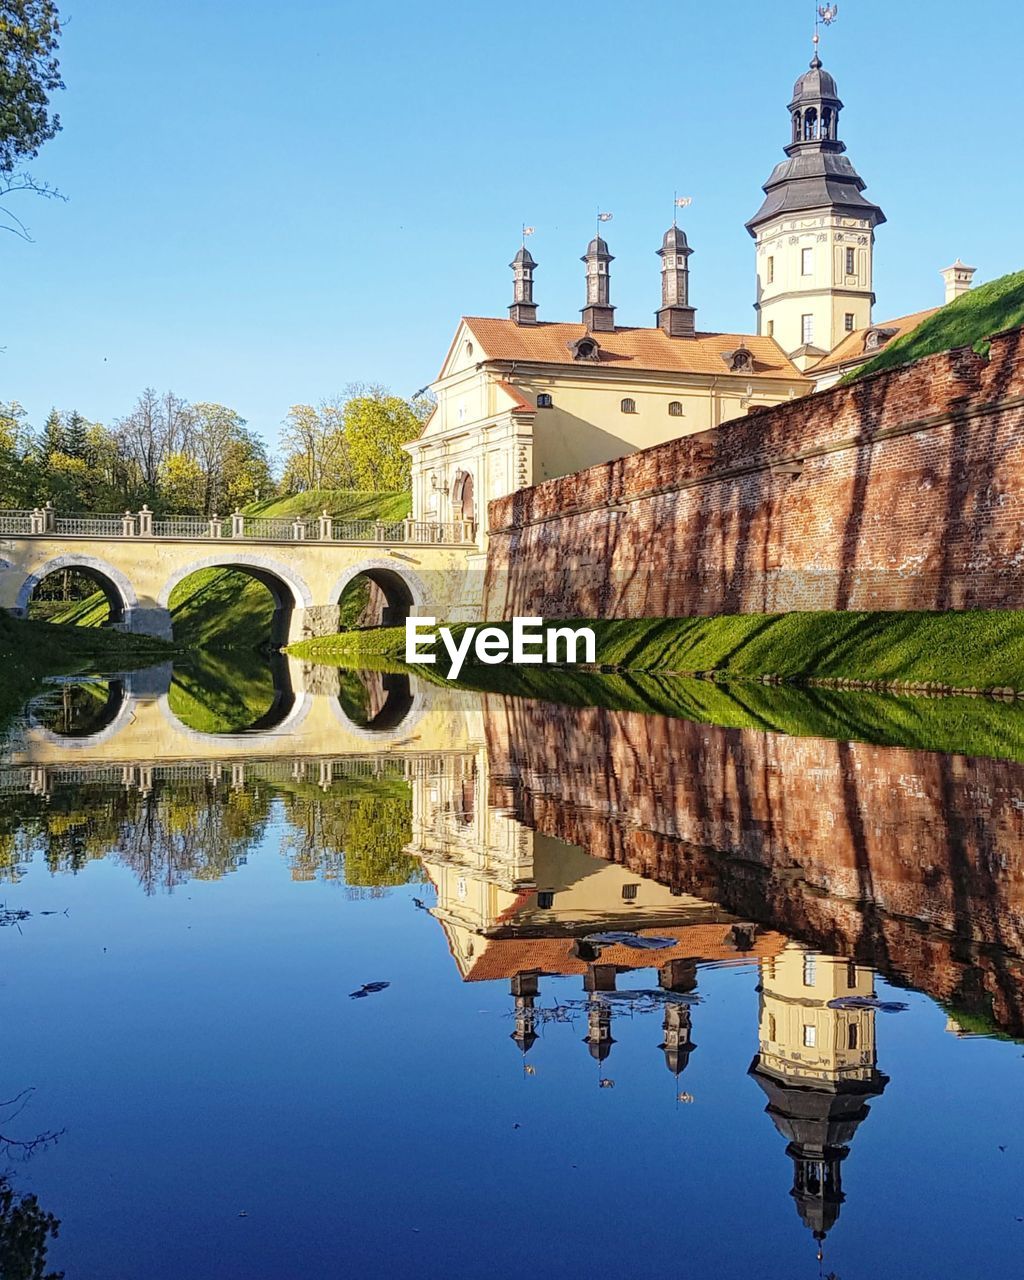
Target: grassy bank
x: 979, y: 650
x: 30, y: 651
x: 967, y: 322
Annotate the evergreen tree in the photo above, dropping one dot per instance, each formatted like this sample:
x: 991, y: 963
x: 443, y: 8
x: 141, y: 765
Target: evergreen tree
x: 53, y: 436
x: 76, y: 436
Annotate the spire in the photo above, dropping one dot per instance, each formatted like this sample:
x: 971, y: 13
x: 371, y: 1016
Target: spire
x: 676, y: 316
x: 816, y: 175
x: 523, y: 309
x: 598, y: 315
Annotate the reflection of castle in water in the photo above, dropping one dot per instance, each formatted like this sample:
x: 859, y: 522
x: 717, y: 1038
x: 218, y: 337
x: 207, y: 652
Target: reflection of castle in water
x: 518, y: 905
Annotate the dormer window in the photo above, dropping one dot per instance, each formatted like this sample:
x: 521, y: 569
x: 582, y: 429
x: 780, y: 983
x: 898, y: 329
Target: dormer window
x: 875, y: 338
x: 628, y: 405
x: 675, y: 409
x: 739, y: 361
x: 585, y: 348
x: 544, y: 401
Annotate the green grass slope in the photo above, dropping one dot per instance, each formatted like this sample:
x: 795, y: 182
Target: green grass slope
x: 966, y: 322
x: 221, y: 609
x: 974, y: 650
x: 93, y: 611
x: 342, y: 504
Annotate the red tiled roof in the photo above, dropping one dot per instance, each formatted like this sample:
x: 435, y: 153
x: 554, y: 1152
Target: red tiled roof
x: 852, y: 346
x: 505, y: 957
x: 624, y: 348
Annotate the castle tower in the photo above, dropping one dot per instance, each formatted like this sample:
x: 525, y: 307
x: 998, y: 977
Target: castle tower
x: 816, y: 1064
x: 676, y: 316
x: 523, y: 309
x: 815, y: 232
x: 598, y: 315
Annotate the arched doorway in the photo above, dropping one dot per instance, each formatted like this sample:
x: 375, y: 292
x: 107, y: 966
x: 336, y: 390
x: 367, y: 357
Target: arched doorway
x: 463, y: 504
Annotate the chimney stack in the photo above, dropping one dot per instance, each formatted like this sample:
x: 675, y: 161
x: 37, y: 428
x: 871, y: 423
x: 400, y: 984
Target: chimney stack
x: 958, y: 279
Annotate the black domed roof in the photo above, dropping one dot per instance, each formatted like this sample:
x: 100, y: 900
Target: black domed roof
x: 815, y: 84
x: 675, y: 241
x: 523, y: 258
x: 597, y: 248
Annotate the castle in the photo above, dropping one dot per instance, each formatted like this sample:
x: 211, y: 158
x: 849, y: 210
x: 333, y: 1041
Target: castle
x: 520, y: 400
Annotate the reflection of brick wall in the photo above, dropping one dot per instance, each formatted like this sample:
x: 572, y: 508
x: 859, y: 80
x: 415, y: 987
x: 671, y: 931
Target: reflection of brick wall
x: 902, y: 491
x: 910, y: 861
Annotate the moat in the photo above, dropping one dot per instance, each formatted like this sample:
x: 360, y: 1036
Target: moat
x: 310, y: 972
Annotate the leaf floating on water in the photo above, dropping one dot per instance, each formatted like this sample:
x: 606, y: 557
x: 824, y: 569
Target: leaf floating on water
x: 617, y: 938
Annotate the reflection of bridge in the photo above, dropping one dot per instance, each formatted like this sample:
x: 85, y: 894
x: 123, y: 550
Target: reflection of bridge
x: 138, y: 560
x: 139, y: 729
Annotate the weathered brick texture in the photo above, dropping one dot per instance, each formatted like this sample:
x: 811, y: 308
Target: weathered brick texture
x: 909, y: 861
x: 902, y: 491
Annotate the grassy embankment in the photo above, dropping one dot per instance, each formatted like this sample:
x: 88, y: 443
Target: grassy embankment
x: 30, y: 651
x: 969, y: 321
x: 650, y: 665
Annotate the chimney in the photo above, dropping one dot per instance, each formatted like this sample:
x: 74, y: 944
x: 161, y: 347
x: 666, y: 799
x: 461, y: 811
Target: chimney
x: 958, y: 279
x: 523, y: 309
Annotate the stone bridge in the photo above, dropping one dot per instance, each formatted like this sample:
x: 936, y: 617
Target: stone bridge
x: 138, y: 559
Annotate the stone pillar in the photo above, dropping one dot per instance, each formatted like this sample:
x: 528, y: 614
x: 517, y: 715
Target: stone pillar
x: 298, y: 530
x: 127, y: 525
x: 145, y: 523
x: 37, y: 521
x: 237, y: 524
x: 407, y: 530
x: 326, y: 527
x: 50, y: 515
x: 153, y: 622
x: 215, y: 529
x: 378, y: 530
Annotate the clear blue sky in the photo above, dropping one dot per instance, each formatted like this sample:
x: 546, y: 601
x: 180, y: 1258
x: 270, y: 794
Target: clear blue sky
x: 269, y: 201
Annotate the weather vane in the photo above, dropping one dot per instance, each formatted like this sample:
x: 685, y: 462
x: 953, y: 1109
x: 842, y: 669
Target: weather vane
x: 824, y: 16
x: 527, y: 231
x: 680, y: 202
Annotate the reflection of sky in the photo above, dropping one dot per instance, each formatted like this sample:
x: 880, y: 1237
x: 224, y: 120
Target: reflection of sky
x: 202, y: 1052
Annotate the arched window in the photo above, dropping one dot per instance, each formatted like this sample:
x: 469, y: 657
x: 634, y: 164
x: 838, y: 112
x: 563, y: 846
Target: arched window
x: 810, y: 124
x: 675, y: 409
x: 628, y: 405
x: 544, y: 401
x: 742, y: 361
x: 462, y: 496
x: 826, y: 122
x: 797, y: 122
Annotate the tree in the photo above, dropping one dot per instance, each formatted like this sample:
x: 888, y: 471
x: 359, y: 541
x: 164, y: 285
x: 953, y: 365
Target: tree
x: 156, y: 428
x: 76, y: 435
x: 182, y: 484
x: 52, y: 440
x: 314, y: 444
x: 29, y: 73
x: 233, y: 461
x: 377, y: 424
x: 247, y: 475
x: 18, y: 472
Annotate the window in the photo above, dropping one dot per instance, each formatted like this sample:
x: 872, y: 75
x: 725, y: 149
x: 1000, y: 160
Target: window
x: 851, y: 262
x: 675, y: 408
x: 544, y: 401
x: 851, y: 1036
x: 741, y: 361
x: 629, y: 892
x: 771, y: 270
x: 771, y: 328
x: 810, y: 1035
x: 771, y: 1026
x: 807, y: 262
x: 807, y: 329
x: 848, y: 322
x: 628, y: 405
x: 810, y: 968
x: 469, y: 348
x: 545, y: 899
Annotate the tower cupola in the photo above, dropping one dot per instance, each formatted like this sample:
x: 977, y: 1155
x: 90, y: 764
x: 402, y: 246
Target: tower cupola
x: 523, y: 309
x: 598, y: 315
x: 815, y: 231
x: 676, y: 317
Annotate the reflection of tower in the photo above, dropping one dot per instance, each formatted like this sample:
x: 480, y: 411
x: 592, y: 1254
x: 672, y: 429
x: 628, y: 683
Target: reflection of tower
x: 599, y: 1039
x: 525, y: 989
x: 817, y: 1067
x: 677, y: 1045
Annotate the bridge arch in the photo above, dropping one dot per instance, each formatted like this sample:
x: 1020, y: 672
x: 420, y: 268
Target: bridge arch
x: 288, y: 589
x: 404, y: 704
x: 115, y: 585
x: 403, y: 589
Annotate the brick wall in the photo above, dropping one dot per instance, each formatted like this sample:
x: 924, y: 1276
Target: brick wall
x: 909, y: 861
x: 902, y: 491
